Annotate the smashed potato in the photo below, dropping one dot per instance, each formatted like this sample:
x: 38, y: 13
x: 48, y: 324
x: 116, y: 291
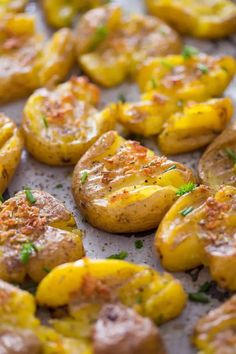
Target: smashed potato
x: 195, y: 127
x: 11, y: 144
x: 121, y: 186
x: 61, y: 124
x: 217, y: 164
x: 200, y: 229
x: 189, y: 76
x: 60, y: 13
x: 86, y: 285
x: 215, y: 332
x: 110, y: 47
x: 198, y: 18
x: 12, y: 5
x: 37, y: 234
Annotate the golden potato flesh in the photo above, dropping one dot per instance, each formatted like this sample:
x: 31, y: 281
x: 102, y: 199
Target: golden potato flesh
x: 110, y: 46
x: 188, y: 76
x: 200, y: 229
x: 217, y: 164
x: 196, y: 126
x: 61, y: 124
x: 11, y: 144
x: 60, y: 13
x: 198, y: 18
x: 86, y: 285
x: 215, y: 333
x: 37, y: 234
x: 121, y: 186
x: 12, y: 5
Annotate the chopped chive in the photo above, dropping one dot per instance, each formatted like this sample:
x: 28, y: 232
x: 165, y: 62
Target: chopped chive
x: 99, y: 36
x: 153, y: 83
x: 46, y: 270
x: 59, y: 185
x: 205, y: 287
x: 121, y: 98
x: 203, y: 68
x: 84, y: 177
x: 26, y: 251
x: 138, y: 244
x: 173, y: 167
x: 166, y: 64
x: 121, y: 255
x: 186, y: 188
x: 139, y: 299
x: 30, y: 196
x: 45, y: 121
x: 198, y: 297
x: 189, y: 51
x: 1, y: 199
x: 186, y: 211
x: 231, y: 154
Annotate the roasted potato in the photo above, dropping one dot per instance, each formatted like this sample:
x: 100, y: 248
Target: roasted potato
x: 60, y: 13
x: 86, y: 285
x: 196, y: 126
x: 11, y: 144
x: 198, y: 18
x: 61, y: 124
x: 38, y: 233
x: 121, y: 186
x: 199, y: 229
x: 12, y: 5
x: 110, y: 47
x: 215, y: 332
x: 217, y: 164
x: 188, y: 76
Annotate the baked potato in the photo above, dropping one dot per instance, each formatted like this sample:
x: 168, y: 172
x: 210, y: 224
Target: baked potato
x: 12, y: 5
x: 11, y: 144
x: 61, y: 124
x: 120, y: 186
x: 198, y: 18
x: 196, y: 126
x: 217, y: 164
x: 199, y: 229
x: 215, y: 332
x: 84, y: 286
x: 60, y: 13
x: 110, y: 46
x: 189, y: 76
x: 37, y: 234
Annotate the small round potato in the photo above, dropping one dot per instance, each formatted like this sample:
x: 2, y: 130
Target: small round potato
x: 11, y: 144
x: 189, y: 76
x: 217, y: 165
x: 121, y: 186
x: 215, y: 332
x: 196, y: 126
x: 198, y: 18
x: 38, y: 233
x: 199, y: 229
x: 110, y: 46
x: 86, y: 285
x: 60, y: 125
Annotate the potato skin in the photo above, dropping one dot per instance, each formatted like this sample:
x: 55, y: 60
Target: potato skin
x: 203, y: 236
x: 203, y: 19
x: 215, y: 332
x: 60, y: 125
x: 215, y: 167
x: 127, y: 188
x: 111, y: 47
x: 195, y: 127
x: 11, y: 144
x: 46, y: 226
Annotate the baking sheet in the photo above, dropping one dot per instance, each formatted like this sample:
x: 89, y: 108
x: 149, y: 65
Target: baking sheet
x: 98, y: 244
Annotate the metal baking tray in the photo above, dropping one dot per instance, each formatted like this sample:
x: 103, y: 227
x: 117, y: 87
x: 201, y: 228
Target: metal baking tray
x: 98, y: 244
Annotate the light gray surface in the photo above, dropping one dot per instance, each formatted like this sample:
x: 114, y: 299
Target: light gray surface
x: 99, y: 244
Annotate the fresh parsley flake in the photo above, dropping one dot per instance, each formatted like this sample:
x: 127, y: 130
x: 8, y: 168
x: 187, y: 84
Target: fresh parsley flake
x: 122, y: 98
x: 231, y: 154
x: 205, y: 287
x: 203, y: 68
x: 186, y: 211
x: 29, y: 196
x: 138, y: 244
x: 153, y: 83
x: 1, y: 199
x: 84, y: 177
x: 46, y: 270
x: 99, y: 36
x: 189, y: 51
x: 173, y: 167
x: 198, y: 297
x: 26, y: 251
x: 121, y: 255
x: 59, y: 185
x: 45, y: 121
x: 166, y: 64
x: 186, y: 188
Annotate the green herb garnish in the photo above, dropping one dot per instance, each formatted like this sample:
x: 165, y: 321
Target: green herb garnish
x: 45, y: 121
x: 166, y: 64
x: 198, y: 297
x: 189, y: 51
x: 186, y: 211
x: 99, y: 36
x: 173, y: 167
x: 138, y: 244
x: 46, y: 270
x: 26, y: 251
x: 121, y: 255
x: 59, y: 185
x: 122, y: 98
x: 1, y: 199
x: 153, y: 83
x: 205, y: 287
x: 84, y: 177
x: 186, y: 188
x: 231, y: 154
x: 203, y: 68
x: 30, y: 196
